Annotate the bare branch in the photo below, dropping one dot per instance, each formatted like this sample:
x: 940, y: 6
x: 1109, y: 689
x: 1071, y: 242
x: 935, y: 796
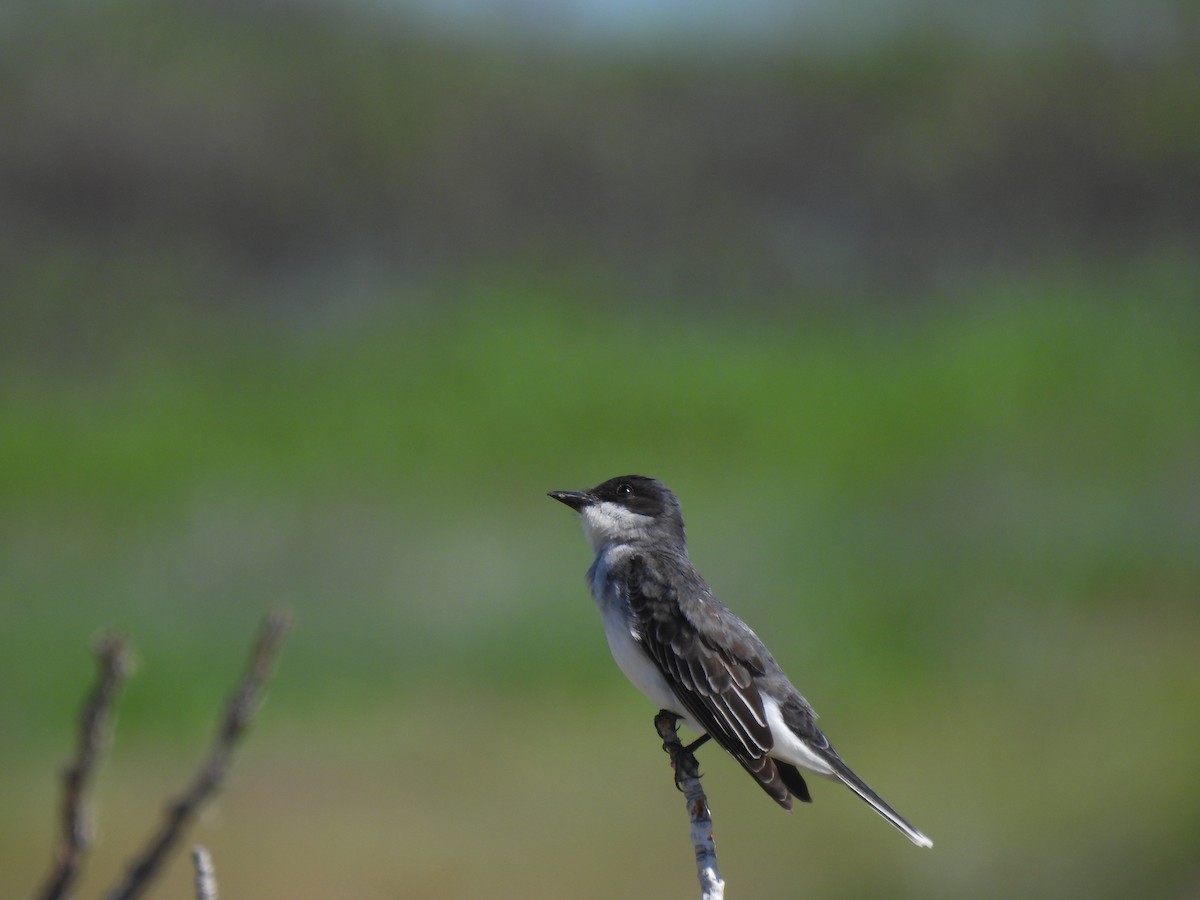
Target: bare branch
x: 687, y: 779
x: 206, y: 878
x: 114, y: 662
x: 238, y: 715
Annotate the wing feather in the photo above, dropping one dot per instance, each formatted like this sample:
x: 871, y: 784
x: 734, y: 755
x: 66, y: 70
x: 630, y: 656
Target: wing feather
x: 715, y: 683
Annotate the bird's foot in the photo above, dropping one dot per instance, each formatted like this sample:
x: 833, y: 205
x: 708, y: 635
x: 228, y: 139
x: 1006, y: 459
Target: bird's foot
x: 682, y: 759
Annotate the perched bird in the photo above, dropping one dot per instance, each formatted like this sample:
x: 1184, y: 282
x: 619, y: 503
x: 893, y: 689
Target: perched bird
x: 685, y: 650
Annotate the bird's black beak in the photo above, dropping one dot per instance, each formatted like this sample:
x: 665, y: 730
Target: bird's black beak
x: 577, y: 500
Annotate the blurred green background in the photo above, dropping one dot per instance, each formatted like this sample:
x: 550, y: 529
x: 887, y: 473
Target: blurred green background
x: 307, y: 305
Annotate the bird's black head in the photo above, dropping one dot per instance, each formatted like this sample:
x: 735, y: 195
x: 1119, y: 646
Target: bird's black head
x: 627, y: 509
x: 636, y: 493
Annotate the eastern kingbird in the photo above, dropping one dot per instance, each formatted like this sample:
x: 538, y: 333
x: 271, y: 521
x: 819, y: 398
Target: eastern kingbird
x: 684, y: 649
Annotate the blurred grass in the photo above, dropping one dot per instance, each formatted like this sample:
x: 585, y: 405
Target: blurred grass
x: 1046, y: 369
x: 1055, y: 428
x: 970, y: 536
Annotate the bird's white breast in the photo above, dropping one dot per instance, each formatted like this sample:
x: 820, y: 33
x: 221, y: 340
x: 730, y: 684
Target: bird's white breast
x: 626, y: 650
x: 633, y: 661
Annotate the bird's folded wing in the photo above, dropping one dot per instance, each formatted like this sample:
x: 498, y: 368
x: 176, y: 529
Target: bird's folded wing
x: 712, y: 674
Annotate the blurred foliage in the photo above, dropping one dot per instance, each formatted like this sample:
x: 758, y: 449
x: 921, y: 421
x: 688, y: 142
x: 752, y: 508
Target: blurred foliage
x: 235, y: 145
x: 310, y: 308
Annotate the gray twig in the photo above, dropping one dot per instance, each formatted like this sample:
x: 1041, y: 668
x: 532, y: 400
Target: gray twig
x: 687, y: 779
x: 114, y: 661
x: 206, y: 878
x: 238, y: 715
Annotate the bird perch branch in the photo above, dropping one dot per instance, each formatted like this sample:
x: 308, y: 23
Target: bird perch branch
x: 687, y: 779
x: 114, y: 662
x: 206, y: 877
x: 238, y: 715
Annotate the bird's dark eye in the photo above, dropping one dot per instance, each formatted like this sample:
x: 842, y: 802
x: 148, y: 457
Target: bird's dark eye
x: 624, y: 490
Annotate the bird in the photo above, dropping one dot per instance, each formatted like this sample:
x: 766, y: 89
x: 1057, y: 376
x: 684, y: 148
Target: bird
x: 693, y: 657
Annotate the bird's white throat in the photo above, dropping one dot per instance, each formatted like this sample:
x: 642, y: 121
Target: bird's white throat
x: 607, y: 523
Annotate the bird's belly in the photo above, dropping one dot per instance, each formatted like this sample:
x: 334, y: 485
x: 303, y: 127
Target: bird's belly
x: 628, y: 654
x: 638, y: 668
x: 641, y: 670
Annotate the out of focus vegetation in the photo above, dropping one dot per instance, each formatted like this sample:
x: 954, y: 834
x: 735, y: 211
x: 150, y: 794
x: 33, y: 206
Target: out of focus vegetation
x: 309, y: 307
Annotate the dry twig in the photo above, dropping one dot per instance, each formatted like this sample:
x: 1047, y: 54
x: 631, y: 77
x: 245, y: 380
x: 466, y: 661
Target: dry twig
x: 687, y: 778
x: 238, y: 715
x: 114, y: 661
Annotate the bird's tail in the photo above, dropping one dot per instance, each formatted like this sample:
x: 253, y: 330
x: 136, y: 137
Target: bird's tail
x: 856, y: 784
